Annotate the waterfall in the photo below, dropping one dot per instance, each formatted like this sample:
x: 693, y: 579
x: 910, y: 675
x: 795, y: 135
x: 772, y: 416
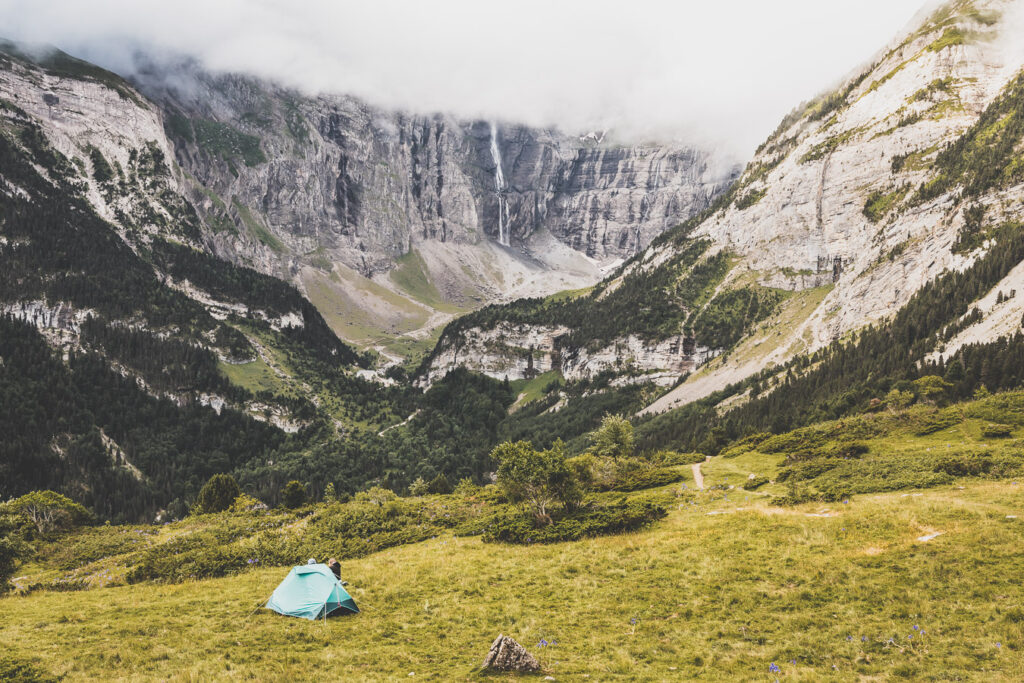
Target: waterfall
x: 504, y: 229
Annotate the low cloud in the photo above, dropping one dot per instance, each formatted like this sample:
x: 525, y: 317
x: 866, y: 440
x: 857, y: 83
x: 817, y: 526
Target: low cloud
x: 720, y: 73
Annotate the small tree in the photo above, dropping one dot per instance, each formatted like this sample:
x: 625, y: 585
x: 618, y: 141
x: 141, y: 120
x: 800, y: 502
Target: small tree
x: 48, y: 511
x: 293, y: 495
x: 537, y: 479
x: 614, y: 438
x: 419, y: 487
x: 217, y: 495
x: 11, y: 553
x: 898, y: 400
x: 439, y: 484
x: 330, y: 495
x: 931, y: 388
x: 378, y: 495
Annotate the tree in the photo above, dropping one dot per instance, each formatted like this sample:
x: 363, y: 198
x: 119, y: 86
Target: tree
x: 537, y: 479
x: 49, y: 511
x: 898, y: 400
x: 330, y: 495
x: 418, y: 487
x: 293, y: 495
x: 931, y: 388
x: 439, y: 484
x: 217, y: 494
x: 614, y: 438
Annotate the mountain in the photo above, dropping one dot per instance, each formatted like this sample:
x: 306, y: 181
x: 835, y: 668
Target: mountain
x: 858, y: 199
x: 174, y: 285
x: 392, y: 223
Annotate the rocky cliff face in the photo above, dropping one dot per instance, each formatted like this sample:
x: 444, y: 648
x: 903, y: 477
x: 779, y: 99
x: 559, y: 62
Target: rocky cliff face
x: 363, y: 186
x: 836, y: 209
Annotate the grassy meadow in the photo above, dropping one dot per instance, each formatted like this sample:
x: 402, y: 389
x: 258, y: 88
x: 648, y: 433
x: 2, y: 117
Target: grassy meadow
x: 913, y: 573
x: 725, y: 586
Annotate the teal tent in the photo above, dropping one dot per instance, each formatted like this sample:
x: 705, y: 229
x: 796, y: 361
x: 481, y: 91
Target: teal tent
x: 310, y: 591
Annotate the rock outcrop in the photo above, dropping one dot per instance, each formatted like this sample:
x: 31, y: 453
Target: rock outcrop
x: 508, y: 655
x: 362, y: 186
x: 831, y: 201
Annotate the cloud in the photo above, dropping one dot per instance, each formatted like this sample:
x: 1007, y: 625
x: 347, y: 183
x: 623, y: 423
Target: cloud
x: 721, y: 72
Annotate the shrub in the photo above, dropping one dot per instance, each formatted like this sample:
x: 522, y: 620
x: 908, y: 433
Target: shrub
x: 755, y: 483
x: 11, y: 553
x: 19, y: 670
x: 217, y: 495
x: 671, y: 458
x: 745, y: 445
x: 48, y: 511
x: 294, y: 495
x: 246, y: 503
x: 618, y: 517
x: 964, y: 465
x: 996, y: 431
x: 646, y: 478
x: 330, y: 494
x: 419, y: 487
x: 466, y: 488
x: 439, y: 485
x: 378, y: 495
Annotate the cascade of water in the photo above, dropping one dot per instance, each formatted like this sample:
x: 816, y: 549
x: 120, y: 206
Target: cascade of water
x: 504, y: 230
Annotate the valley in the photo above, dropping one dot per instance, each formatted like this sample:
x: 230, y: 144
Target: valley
x: 652, y: 414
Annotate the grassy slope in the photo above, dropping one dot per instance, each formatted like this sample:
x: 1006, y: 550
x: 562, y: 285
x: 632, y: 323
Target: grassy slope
x: 717, y: 596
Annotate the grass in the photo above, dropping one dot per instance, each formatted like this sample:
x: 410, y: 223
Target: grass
x: 412, y: 276
x: 717, y: 597
x: 533, y: 389
x: 377, y: 315
x: 255, y: 376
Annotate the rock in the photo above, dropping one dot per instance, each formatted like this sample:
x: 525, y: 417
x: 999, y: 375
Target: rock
x: 508, y: 655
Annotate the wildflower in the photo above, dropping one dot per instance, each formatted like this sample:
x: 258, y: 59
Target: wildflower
x: 542, y: 643
x: 849, y: 638
x: 633, y: 621
x: 773, y: 668
x: 999, y: 645
x: 863, y: 639
x: 916, y: 627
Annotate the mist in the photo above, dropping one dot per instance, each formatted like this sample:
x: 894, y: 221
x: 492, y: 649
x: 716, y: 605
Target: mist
x: 720, y: 74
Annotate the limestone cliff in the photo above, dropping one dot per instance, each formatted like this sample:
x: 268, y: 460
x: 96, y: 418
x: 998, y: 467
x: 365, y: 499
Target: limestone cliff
x: 841, y: 212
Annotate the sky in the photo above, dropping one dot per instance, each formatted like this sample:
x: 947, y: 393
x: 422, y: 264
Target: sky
x: 720, y: 73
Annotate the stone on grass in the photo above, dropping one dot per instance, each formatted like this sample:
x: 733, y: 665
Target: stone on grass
x: 508, y: 655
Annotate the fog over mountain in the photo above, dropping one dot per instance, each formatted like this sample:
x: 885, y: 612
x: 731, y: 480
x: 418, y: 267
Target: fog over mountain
x: 723, y: 73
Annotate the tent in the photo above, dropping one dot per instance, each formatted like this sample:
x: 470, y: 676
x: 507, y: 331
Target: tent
x: 310, y: 591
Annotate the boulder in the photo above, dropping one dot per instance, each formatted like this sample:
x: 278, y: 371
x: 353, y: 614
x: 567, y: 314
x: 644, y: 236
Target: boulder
x: 508, y: 655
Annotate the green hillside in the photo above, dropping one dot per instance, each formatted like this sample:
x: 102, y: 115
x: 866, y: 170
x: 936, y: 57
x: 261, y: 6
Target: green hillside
x: 913, y: 577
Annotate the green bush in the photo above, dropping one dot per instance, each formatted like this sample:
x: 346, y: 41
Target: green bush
x: 294, y: 495
x: 11, y: 553
x: 18, y: 670
x: 217, y: 495
x: 619, y: 517
x: 755, y: 483
x: 647, y: 478
x: 672, y: 458
x: 996, y: 431
x: 964, y: 465
x: 439, y: 485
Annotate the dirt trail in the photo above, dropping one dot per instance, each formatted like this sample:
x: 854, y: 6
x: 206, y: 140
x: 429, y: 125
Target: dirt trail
x: 698, y: 477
